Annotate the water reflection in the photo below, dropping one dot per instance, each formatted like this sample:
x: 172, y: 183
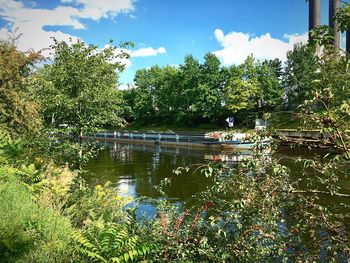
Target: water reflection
x: 136, y: 169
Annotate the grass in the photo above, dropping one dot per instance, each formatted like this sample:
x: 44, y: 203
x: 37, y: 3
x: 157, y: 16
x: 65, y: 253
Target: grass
x: 28, y: 231
x: 278, y: 120
x: 284, y: 120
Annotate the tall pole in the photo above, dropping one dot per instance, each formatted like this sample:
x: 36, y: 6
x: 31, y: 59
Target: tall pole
x: 314, y: 14
x: 333, y: 8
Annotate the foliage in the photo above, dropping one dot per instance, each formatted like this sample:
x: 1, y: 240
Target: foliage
x: 195, y: 93
x: 147, y: 81
x: 300, y: 71
x: 129, y: 100
x: 254, y: 86
x: 107, y: 233
x: 30, y: 231
x: 19, y: 111
x: 78, y: 93
x: 111, y: 243
x: 47, y: 211
x: 187, y: 95
x: 79, y: 88
x: 328, y: 110
x: 343, y: 16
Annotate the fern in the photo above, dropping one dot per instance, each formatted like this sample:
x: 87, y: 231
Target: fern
x: 112, y: 243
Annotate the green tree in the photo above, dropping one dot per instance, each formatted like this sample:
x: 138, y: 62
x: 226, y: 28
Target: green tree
x: 243, y: 87
x: 189, y: 94
x: 299, y: 73
x: 79, y: 88
x: 269, y: 73
x: 167, y: 95
x: 147, y: 82
x: 19, y: 111
x: 253, y: 86
x: 190, y: 73
x: 129, y: 103
x: 208, y: 102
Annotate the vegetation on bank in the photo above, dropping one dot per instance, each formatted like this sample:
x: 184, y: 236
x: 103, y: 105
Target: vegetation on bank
x: 253, y: 212
x: 194, y: 93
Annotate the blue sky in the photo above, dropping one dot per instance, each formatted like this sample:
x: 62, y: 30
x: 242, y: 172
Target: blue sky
x: 164, y: 31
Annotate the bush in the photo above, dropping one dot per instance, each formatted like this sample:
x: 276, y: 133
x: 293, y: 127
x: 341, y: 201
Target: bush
x: 29, y: 232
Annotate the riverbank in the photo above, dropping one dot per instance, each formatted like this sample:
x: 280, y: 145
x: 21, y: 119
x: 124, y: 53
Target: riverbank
x: 214, y: 139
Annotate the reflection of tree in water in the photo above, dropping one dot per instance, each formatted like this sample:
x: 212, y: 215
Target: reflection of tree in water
x: 136, y: 169
x: 120, y: 151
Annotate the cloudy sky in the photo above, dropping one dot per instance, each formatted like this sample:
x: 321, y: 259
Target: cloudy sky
x: 163, y: 31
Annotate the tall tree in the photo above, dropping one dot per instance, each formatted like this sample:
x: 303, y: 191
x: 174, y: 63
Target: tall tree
x: 253, y: 86
x: 241, y: 87
x: 19, y: 111
x: 79, y: 88
x: 300, y: 71
x: 147, y: 82
x: 208, y: 101
x: 269, y: 73
x: 190, y: 73
x: 167, y: 95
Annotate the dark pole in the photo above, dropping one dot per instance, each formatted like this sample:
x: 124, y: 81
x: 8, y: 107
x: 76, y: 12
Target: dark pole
x: 333, y: 8
x: 314, y: 14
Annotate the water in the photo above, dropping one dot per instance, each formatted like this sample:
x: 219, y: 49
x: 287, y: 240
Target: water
x: 136, y: 169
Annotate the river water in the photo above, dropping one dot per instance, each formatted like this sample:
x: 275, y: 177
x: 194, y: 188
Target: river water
x: 135, y: 169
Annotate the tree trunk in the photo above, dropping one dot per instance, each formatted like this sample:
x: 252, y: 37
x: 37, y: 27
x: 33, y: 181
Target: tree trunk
x: 53, y: 119
x: 80, y: 148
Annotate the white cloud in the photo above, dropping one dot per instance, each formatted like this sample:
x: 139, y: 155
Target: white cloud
x: 296, y: 38
x: 96, y: 10
x: 237, y: 46
x: 31, y: 21
x: 148, y: 52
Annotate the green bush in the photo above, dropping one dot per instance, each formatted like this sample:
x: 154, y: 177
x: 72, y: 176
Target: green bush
x: 29, y: 232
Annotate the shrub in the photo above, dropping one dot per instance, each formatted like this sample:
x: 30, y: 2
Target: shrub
x: 30, y: 232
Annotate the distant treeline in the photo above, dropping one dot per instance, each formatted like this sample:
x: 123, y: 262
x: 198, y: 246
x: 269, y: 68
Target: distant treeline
x: 194, y: 93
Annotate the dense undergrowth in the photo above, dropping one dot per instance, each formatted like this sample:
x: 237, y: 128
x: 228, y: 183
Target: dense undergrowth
x: 253, y: 212
x: 48, y: 214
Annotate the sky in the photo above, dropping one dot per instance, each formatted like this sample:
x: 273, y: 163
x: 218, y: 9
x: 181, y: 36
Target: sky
x: 163, y: 31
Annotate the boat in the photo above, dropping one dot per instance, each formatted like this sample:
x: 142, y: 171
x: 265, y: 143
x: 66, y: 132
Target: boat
x: 248, y: 144
x: 240, y: 140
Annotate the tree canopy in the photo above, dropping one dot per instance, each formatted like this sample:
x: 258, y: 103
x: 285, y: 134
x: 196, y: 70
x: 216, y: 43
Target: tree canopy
x: 79, y: 88
x: 19, y: 111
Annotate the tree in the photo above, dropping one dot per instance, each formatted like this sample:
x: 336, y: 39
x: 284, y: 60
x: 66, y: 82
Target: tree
x: 19, y: 111
x: 269, y: 73
x: 208, y: 101
x: 79, y: 88
x: 167, y: 95
x: 129, y: 95
x: 253, y: 86
x: 147, y: 82
x: 300, y: 71
x: 189, y: 73
x: 243, y: 87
